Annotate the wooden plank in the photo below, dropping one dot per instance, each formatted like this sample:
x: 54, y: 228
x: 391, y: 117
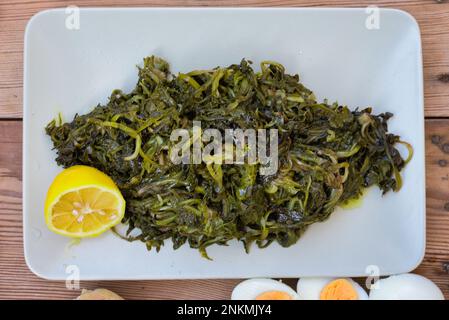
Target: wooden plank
x: 16, y: 281
x: 436, y: 262
x: 432, y: 16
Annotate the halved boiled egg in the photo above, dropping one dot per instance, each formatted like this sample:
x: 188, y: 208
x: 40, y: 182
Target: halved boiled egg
x: 330, y: 289
x: 263, y: 289
x: 405, y: 286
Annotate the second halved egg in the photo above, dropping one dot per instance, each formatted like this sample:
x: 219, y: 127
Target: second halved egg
x: 330, y: 289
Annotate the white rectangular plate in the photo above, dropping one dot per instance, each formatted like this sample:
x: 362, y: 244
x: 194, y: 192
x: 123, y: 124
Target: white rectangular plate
x: 341, y: 54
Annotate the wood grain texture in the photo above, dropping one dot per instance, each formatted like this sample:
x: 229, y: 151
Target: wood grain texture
x: 16, y: 281
x: 433, y: 18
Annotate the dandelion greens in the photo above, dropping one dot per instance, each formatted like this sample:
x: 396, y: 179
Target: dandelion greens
x: 328, y: 155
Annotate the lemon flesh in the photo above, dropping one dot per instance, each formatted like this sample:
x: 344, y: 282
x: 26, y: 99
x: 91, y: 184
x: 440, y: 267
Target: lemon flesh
x: 83, y: 202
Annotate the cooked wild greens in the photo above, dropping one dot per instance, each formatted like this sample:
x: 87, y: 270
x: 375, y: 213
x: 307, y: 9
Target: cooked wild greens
x: 328, y: 155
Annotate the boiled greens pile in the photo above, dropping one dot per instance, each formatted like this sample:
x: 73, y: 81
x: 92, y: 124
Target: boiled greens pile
x: 328, y: 155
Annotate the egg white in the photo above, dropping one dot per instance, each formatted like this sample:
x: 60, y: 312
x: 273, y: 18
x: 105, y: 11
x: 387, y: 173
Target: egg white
x: 405, y: 286
x: 310, y: 288
x: 250, y: 289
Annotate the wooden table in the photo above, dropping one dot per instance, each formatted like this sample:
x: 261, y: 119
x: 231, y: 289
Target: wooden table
x: 17, y: 281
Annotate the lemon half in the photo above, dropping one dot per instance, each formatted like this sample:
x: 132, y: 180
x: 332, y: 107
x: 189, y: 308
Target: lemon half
x: 83, y: 202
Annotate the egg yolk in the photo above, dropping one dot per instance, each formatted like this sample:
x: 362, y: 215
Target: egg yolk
x: 340, y: 289
x: 274, y: 295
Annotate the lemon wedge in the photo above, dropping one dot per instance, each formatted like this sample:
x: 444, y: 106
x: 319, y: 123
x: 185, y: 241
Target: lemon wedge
x: 83, y: 202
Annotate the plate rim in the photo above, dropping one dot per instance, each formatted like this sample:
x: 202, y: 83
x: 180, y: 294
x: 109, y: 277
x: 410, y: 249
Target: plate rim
x: 26, y: 115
